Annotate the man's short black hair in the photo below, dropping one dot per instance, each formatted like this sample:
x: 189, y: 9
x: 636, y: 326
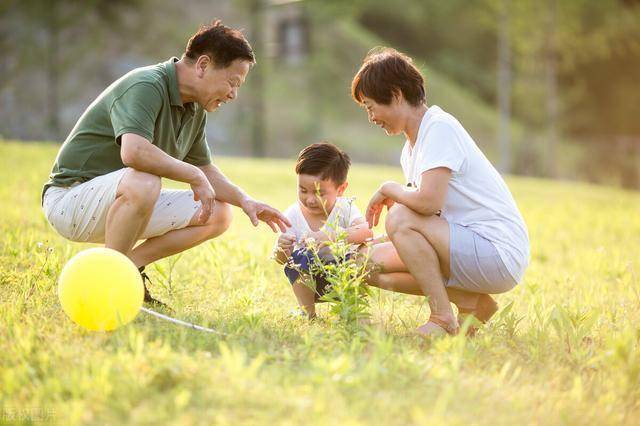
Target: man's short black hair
x: 221, y: 43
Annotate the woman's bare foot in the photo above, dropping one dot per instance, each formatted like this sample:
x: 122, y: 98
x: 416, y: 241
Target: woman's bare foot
x: 484, y: 310
x: 438, y: 327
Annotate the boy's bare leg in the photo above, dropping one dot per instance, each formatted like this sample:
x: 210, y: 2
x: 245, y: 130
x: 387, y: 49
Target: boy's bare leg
x: 306, y: 298
x: 179, y: 240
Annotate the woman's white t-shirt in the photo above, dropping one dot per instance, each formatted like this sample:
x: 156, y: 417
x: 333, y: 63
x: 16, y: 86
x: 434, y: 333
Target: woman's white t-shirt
x: 343, y: 214
x: 477, y: 197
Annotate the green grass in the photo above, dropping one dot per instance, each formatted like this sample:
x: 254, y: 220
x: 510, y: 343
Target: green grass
x: 566, y: 351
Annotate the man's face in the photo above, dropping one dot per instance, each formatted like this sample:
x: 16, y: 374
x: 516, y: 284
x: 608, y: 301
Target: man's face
x: 314, y: 193
x: 385, y: 116
x: 220, y: 85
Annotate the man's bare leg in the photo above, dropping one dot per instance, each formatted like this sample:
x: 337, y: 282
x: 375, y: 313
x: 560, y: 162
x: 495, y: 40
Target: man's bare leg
x: 129, y: 214
x: 179, y: 240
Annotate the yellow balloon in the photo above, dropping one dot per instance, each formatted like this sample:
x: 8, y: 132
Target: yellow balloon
x: 100, y: 289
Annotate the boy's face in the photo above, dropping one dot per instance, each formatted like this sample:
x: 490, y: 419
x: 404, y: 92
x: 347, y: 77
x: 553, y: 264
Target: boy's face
x: 313, y: 193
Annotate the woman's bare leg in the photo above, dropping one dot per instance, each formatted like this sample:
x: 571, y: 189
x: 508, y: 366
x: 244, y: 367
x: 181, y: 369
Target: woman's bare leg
x: 388, y: 272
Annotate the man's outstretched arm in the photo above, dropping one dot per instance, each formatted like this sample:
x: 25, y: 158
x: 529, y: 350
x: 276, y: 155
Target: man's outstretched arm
x: 230, y: 193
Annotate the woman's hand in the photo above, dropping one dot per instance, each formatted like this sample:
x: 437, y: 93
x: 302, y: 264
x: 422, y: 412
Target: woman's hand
x: 376, y: 205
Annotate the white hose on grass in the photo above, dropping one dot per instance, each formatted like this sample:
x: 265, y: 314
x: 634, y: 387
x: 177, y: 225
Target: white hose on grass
x: 180, y: 322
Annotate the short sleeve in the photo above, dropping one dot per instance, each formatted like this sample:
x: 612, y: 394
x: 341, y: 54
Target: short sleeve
x: 291, y: 213
x: 441, y: 148
x: 136, y: 111
x: 404, y: 162
x: 355, y: 214
x: 199, y: 154
x: 346, y: 212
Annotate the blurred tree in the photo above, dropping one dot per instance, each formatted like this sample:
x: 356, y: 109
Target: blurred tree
x: 498, y: 18
x: 256, y: 9
x: 573, y: 65
x: 551, y: 53
x: 504, y: 87
x: 579, y: 69
x: 52, y: 35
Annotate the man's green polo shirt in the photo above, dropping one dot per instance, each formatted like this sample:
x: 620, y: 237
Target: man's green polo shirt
x: 147, y: 102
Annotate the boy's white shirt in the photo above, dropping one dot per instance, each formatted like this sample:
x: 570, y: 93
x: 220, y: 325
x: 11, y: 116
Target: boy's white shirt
x: 343, y: 215
x: 477, y: 196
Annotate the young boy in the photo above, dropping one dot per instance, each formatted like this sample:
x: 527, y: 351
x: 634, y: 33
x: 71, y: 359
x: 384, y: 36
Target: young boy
x: 319, y: 213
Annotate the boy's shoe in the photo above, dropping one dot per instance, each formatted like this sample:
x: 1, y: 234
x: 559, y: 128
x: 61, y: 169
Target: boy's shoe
x: 299, y: 313
x: 148, y: 299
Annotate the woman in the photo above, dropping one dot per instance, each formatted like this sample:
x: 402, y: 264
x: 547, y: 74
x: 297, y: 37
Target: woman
x: 454, y: 232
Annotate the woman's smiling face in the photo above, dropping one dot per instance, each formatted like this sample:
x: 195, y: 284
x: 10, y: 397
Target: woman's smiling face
x: 385, y: 116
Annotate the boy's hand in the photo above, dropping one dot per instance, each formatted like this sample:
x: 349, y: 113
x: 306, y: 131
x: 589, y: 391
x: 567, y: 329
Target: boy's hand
x: 376, y: 240
x: 286, y: 243
x: 318, y: 236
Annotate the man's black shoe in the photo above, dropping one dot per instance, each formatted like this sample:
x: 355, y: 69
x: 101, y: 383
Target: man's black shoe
x: 147, y: 296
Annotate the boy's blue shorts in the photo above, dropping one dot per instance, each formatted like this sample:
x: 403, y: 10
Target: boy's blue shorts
x: 303, y: 258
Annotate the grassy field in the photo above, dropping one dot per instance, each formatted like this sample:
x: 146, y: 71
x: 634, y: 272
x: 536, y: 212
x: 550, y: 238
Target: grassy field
x: 565, y: 348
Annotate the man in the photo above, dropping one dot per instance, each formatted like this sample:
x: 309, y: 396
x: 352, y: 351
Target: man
x: 105, y: 186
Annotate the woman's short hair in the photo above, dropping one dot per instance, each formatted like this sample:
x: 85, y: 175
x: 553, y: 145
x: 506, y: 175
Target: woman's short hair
x: 385, y: 72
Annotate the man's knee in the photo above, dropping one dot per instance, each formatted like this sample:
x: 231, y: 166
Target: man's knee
x: 140, y: 188
x: 225, y: 215
x: 219, y: 221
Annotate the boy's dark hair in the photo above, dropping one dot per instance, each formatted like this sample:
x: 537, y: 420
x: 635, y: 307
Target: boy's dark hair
x: 221, y: 43
x: 324, y: 160
x: 386, y: 71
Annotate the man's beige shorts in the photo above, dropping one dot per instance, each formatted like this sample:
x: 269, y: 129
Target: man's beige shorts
x: 79, y: 212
